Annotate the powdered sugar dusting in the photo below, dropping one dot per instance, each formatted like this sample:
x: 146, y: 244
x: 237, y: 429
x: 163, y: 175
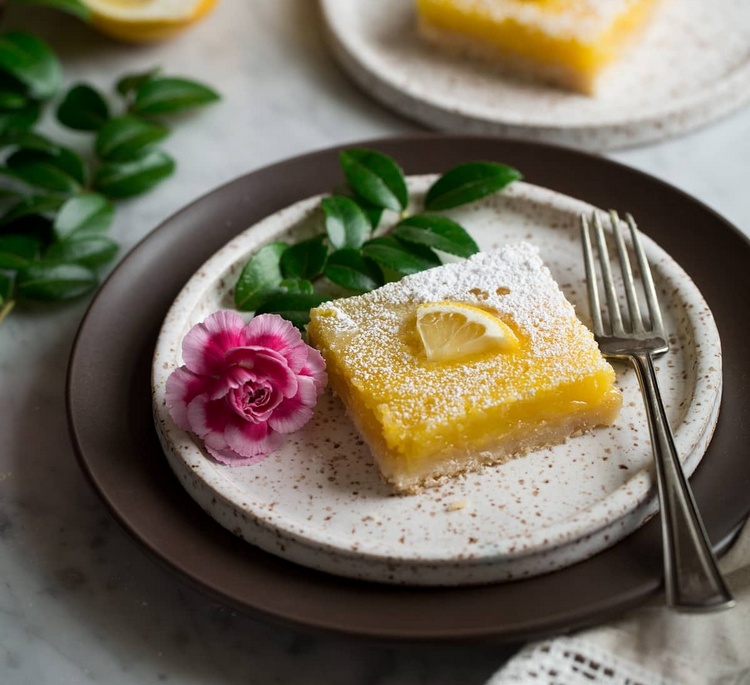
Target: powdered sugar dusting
x: 372, y: 337
x: 583, y: 19
x: 512, y: 280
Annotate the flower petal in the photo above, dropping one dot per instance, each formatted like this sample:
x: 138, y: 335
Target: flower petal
x: 231, y: 458
x: 275, y: 333
x: 207, y: 343
x: 315, y: 368
x: 295, y: 412
x: 265, y: 364
x: 252, y: 439
x: 208, y: 419
x: 182, y: 387
x: 254, y: 401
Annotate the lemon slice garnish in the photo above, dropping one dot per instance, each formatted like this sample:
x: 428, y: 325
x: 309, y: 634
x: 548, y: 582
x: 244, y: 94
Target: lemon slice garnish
x: 140, y: 21
x: 451, y: 330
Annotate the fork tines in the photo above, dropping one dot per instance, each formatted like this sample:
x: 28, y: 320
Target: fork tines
x: 617, y: 326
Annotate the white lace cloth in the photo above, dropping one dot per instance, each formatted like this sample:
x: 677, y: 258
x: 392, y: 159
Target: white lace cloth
x: 650, y: 646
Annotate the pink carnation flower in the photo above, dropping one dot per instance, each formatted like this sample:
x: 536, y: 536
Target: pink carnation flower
x: 244, y: 386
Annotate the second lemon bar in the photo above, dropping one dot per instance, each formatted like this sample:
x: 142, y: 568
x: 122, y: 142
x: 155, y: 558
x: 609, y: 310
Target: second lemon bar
x: 565, y: 42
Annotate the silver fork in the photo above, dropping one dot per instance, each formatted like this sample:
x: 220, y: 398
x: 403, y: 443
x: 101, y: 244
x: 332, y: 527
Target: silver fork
x: 693, y: 581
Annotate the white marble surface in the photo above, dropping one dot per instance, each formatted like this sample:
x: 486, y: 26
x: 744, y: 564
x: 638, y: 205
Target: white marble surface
x: 79, y: 600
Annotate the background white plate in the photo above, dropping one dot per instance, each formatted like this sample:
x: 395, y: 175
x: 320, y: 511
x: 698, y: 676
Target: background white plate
x: 319, y: 500
x: 692, y: 68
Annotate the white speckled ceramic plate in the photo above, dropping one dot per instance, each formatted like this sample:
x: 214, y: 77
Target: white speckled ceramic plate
x: 319, y: 500
x: 692, y: 67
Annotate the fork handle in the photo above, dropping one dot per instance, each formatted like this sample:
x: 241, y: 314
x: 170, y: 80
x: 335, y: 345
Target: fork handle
x: 693, y: 581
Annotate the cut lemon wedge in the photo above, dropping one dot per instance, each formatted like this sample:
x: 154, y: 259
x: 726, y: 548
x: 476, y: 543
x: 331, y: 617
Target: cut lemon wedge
x: 142, y: 21
x: 451, y: 330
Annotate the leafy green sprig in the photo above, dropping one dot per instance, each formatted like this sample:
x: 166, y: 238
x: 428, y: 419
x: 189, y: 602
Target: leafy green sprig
x: 56, y: 204
x: 350, y: 252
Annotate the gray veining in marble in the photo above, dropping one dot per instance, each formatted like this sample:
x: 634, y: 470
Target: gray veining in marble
x: 80, y: 602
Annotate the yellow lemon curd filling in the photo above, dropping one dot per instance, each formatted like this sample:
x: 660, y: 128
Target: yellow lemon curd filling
x: 565, y: 42
x: 427, y: 420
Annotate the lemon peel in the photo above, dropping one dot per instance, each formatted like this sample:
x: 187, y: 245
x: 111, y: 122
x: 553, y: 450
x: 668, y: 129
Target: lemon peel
x: 143, y: 21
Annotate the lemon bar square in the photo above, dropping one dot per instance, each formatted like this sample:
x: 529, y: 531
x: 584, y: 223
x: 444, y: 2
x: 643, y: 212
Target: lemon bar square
x: 569, y: 43
x: 427, y: 421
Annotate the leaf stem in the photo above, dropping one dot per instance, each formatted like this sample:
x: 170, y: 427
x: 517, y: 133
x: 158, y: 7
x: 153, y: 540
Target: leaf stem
x: 6, y: 309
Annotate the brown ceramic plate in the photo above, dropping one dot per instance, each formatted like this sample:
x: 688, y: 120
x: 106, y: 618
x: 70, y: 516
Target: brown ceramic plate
x: 111, y: 425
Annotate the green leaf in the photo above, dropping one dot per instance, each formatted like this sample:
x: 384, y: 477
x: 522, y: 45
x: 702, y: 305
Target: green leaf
x: 20, y: 119
x: 74, y: 7
x: 32, y: 62
x: 346, y: 224
x: 297, y: 285
x: 348, y: 268
x: 36, y: 226
x: 292, y: 307
x: 13, y: 93
x: 375, y: 177
x: 373, y: 213
x: 83, y: 108
x: 468, y: 182
x: 126, y: 138
x: 9, y: 193
x: 53, y: 281
x: 62, y: 158
x: 28, y: 140
x: 130, y: 83
x: 304, y: 259
x: 17, y: 251
x: 36, y: 204
x: 44, y: 175
x: 260, y: 277
x: 12, y: 100
x: 87, y: 212
x: 125, y: 179
x: 403, y: 258
x: 88, y: 249
x: 438, y: 232
x: 170, y: 95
